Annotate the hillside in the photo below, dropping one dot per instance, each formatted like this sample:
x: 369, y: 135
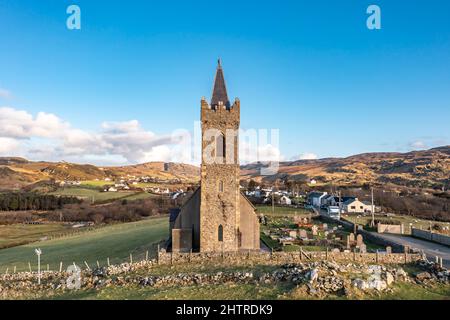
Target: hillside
x: 423, y: 169
x: 17, y: 173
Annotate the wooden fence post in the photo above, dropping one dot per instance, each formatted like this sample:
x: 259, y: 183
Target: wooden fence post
x: 87, y: 266
x: 146, y: 255
x: 131, y: 258
x: 60, y: 267
x: 326, y: 254
x: 157, y: 256
x: 107, y: 260
x: 29, y: 266
x: 301, y: 253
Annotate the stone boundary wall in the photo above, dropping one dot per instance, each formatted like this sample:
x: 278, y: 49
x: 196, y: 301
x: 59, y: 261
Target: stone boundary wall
x: 372, y: 237
x: 276, y: 258
x: 430, y: 236
x: 390, y: 228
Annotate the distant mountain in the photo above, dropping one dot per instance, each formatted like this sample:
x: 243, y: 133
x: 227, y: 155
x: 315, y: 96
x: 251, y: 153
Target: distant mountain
x: 423, y: 169
x: 18, y: 173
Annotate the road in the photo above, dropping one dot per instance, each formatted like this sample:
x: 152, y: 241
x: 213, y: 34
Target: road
x: 431, y: 249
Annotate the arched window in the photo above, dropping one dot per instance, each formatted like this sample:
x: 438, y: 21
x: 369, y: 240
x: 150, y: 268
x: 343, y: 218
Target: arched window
x: 220, y: 233
x: 220, y: 186
x: 220, y: 146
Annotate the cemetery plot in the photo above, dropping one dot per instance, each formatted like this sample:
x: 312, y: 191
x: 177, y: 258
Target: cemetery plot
x: 310, y: 234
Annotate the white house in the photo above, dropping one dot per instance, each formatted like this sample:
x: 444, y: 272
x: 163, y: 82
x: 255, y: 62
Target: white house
x: 285, y: 200
x: 356, y: 206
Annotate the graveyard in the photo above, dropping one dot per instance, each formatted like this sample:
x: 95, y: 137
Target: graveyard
x: 309, y: 233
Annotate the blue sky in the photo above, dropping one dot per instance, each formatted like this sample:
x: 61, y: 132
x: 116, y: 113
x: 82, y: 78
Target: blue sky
x: 311, y: 69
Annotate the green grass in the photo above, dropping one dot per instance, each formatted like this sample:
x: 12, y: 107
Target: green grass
x: 405, y: 291
x: 115, y: 242
x: 232, y: 291
x: 205, y: 292
x: 282, y: 211
x: 94, y: 183
x: 19, y: 234
x: 93, y: 194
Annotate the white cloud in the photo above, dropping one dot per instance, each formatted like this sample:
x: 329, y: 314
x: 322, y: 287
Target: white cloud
x: 252, y: 152
x: 419, y: 144
x: 20, y: 124
x: 45, y: 136
x: 49, y: 137
x: 307, y: 156
x: 5, y: 94
x: 8, y: 145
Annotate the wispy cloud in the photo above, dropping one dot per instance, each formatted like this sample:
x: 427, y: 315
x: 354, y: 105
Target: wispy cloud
x: 305, y: 156
x: 418, y: 144
x: 5, y: 94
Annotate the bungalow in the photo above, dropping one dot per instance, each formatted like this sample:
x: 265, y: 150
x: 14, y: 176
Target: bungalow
x: 356, y: 206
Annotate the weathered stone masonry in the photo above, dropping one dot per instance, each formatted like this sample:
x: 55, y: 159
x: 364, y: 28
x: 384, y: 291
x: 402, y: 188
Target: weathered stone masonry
x: 217, y: 218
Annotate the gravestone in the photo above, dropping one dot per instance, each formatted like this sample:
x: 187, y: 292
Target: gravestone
x: 303, y: 234
x: 359, y: 240
x: 388, y: 249
x: 293, y: 234
x: 314, y: 230
x: 351, y: 238
x: 363, y: 248
x: 326, y: 233
x: 325, y: 226
x: 348, y: 242
x: 335, y: 250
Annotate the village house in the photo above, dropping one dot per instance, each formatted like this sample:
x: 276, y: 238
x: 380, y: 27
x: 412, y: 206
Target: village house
x: 285, y: 200
x: 315, y: 198
x: 356, y: 206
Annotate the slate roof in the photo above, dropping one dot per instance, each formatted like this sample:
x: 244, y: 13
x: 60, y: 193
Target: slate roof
x: 220, y: 89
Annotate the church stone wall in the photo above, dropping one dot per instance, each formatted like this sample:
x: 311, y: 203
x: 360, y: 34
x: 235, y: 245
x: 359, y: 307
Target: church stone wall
x: 249, y: 226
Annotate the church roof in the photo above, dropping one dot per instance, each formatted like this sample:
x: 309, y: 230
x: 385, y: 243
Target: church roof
x: 220, y: 89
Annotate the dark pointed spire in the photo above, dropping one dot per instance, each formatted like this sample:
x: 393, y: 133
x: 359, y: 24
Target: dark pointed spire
x: 220, y: 90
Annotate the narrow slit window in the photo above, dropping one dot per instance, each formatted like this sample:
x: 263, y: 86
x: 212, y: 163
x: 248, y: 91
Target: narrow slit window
x: 220, y: 186
x: 220, y: 233
x: 220, y: 146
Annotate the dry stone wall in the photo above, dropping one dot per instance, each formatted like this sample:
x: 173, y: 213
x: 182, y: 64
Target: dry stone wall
x: 285, y: 257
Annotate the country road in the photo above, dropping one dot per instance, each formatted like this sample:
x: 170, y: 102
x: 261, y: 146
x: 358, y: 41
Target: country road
x: 431, y: 249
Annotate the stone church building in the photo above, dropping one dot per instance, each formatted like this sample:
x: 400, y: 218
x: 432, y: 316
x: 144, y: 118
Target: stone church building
x: 217, y: 217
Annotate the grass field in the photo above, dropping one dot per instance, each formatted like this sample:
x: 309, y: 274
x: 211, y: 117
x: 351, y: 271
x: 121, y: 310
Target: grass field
x: 100, y: 197
x: 18, y: 234
x: 115, y: 242
x: 281, y: 211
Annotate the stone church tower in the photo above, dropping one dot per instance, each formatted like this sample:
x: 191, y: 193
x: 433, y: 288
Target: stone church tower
x: 217, y: 217
x: 219, y: 211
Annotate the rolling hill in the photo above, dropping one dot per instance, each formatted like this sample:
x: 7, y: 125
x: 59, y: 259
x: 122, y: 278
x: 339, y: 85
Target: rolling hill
x: 422, y: 169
